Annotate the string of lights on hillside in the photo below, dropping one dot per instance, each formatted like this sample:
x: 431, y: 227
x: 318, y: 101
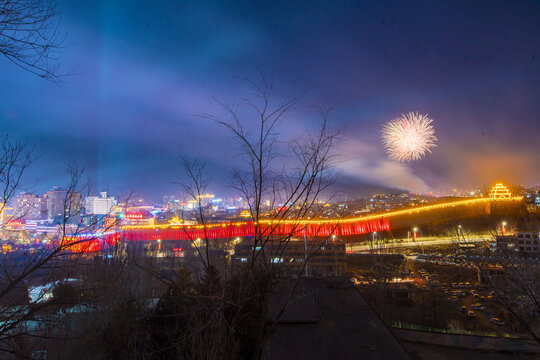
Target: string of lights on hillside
x: 410, y: 211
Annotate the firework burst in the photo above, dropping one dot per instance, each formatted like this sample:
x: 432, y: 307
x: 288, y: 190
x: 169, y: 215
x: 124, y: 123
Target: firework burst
x: 408, y: 137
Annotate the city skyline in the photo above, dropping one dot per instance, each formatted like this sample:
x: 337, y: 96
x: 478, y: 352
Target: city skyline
x: 141, y: 75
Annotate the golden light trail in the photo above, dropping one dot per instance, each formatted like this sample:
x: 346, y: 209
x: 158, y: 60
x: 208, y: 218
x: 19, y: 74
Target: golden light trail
x: 475, y: 201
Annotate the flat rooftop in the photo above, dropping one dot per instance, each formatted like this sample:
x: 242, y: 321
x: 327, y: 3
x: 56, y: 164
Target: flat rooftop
x: 327, y: 319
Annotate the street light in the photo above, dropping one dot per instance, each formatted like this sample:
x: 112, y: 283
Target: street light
x: 504, y: 227
x: 415, y: 229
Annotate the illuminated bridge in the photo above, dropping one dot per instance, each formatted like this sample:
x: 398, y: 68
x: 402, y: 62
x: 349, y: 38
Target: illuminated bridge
x: 299, y: 227
x: 314, y: 227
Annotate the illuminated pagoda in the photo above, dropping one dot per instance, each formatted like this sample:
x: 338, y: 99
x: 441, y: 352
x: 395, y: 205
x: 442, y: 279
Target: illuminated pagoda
x: 499, y: 191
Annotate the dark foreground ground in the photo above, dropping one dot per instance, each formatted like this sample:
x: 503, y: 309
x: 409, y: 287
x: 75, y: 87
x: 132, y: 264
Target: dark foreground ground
x: 328, y: 319
x: 433, y: 352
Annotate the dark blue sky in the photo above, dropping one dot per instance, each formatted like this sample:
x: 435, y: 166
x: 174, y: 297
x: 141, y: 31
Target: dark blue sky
x: 143, y: 70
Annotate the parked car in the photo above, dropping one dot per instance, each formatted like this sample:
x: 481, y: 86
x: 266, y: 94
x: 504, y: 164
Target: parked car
x: 496, y: 321
x: 471, y: 314
x: 464, y: 309
x: 478, y: 306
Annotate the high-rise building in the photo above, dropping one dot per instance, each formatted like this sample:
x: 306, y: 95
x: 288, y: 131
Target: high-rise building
x: 28, y: 206
x: 62, y: 202
x: 55, y: 201
x: 100, y: 205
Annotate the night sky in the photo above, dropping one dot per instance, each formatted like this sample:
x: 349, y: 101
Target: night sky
x: 143, y: 70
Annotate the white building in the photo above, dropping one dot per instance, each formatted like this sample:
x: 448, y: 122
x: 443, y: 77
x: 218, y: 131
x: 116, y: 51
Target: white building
x: 100, y: 205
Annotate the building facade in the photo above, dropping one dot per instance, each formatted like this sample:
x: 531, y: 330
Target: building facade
x: 28, y: 206
x: 526, y: 244
x: 326, y: 259
x: 100, y: 205
x: 55, y: 199
x: 62, y: 202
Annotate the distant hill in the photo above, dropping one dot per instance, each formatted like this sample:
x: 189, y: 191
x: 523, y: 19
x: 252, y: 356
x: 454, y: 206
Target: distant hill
x: 348, y: 188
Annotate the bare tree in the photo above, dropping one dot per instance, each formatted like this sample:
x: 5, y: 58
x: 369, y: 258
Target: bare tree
x: 223, y: 313
x: 29, y: 36
x: 29, y: 274
x: 291, y: 177
x: 514, y: 283
x: 511, y: 275
x: 194, y: 184
x: 15, y: 158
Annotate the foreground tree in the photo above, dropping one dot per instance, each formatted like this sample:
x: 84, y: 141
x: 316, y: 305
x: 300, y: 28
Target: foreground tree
x: 29, y: 36
x: 511, y: 275
x: 15, y: 158
x: 514, y: 281
x: 37, y: 283
x: 282, y: 182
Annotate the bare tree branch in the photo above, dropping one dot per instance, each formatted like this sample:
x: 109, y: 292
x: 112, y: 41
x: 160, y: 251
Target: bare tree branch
x: 29, y: 36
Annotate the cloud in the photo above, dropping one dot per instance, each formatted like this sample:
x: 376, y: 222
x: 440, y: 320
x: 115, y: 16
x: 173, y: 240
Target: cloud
x: 366, y: 163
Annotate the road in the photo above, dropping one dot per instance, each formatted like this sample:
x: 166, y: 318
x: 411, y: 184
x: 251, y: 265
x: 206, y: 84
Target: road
x: 421, y: 241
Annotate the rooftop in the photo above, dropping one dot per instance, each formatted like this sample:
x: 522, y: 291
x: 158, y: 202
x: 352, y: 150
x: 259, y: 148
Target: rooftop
x: 327, y: 318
